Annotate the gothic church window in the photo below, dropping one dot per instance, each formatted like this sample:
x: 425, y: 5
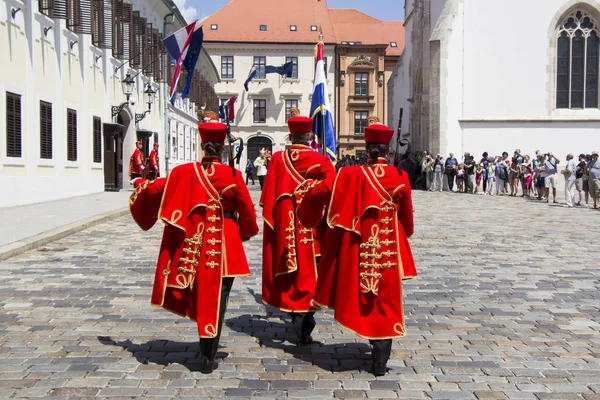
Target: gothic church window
x: 577, y: 59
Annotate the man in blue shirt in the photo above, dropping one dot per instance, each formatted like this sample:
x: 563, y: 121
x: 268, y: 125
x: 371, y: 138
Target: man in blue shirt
x: 450, y: 168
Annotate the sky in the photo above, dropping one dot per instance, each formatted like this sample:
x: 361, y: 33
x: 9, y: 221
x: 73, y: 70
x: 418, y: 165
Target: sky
x: 385, y: 10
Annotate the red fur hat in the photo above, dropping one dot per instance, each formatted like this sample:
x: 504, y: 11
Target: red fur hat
x: 212, y: 132
x: 155, y: 144
x: 139, y: 142
x: 300, y: 124
x: 378, y: 133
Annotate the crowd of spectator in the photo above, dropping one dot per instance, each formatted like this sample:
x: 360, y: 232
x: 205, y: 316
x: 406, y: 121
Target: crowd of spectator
x: 520, y: 175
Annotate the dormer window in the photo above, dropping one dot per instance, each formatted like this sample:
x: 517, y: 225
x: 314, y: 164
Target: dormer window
x: 313, y: 28
x: 263, y: 28
x: 214, y: 27
x: 393, y: 44
x: 293, y: 28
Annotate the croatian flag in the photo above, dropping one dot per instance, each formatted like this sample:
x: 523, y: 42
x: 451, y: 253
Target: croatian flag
x: 226, y: 110
x: 184, y: 47
x: 251, y: 75
x: 320, y: 109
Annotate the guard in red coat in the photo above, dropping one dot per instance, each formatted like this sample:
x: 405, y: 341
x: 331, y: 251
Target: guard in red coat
x: 366, y: 253
x: 290, y: 249
x: 154, y: 166
x: 136, y: 161
x: 207, y: 213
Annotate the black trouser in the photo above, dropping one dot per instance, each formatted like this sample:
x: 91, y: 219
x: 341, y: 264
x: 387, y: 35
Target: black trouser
x: 134, y: 175
x: 249, y: 176
x: 153, y: 175
x: 484, y: 178
x: 209, y: 347
x: 451, y: 176
x: 261, y: 180
x: 304, y: 323
x: 382, y: 349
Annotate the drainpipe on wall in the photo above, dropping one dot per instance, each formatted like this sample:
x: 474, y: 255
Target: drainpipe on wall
x: 165, y: 94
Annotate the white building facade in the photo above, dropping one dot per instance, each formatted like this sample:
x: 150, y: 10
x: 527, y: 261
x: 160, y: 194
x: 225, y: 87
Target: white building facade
x: 61, y: 79
x: 480, y: 76
x: 261, y: 113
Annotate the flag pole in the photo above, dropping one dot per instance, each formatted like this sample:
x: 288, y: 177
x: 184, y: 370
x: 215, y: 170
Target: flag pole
x: 323, y: 109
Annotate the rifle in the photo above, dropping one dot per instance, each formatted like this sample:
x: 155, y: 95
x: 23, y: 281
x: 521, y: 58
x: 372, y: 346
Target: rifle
x: 231, y: 140
x: 399, y: 139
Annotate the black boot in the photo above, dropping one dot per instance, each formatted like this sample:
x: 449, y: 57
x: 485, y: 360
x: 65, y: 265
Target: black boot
x: 304, y: 323
x: 208, y: 366
x: 380, y: 355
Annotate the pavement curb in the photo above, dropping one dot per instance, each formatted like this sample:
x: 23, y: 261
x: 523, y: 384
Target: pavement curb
x: 24, y: 245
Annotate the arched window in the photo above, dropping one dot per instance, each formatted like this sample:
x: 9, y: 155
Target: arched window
x: 577, y: 59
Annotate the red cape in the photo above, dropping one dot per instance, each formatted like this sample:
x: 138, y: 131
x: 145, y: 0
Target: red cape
x: 199, y: 246
x: 366, y: 254
x: 289, y: 248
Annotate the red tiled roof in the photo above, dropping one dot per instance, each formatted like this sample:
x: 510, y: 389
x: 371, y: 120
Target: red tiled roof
x: 240, y: 21
x: 352, y: 25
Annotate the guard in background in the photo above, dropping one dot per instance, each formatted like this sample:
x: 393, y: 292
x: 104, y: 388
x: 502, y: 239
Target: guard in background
x: 136, y: 162
x: 207, y: 212
x: 290, y: 249
x: 154, y: 166
x: 366, y: 254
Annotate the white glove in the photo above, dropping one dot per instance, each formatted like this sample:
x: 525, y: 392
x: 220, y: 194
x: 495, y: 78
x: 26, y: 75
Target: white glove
x: 143, y: 168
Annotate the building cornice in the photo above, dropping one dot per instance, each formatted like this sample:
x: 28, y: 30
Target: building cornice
x: 545, y: 119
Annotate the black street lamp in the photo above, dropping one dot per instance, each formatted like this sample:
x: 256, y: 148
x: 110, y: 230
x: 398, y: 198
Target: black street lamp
x: 149, y: 94
x: 128, y: 83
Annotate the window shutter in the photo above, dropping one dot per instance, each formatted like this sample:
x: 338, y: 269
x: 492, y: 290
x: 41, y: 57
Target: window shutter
x: 45, y: 130
x: 13, y: 125
x: 54, y: 8
x: 118, y: 11
x: 140, y: 39
x: 159, y: 57
x: 71, y: 135
x: 147, y: 51
x: 97, y: 139
x: 79, y: 17
x: 127, y: 30
x: 102, y: 23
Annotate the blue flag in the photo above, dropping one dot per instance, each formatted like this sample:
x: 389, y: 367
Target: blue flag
x: 251, y: 75
x: 286, y: 68
x: 191, y: 58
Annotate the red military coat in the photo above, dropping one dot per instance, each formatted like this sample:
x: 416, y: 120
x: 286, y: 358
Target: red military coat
x: 136, y: 162
x: 289, y: 249
x: 153, y: 159
x: 366, y: 253
x: 201, y: 244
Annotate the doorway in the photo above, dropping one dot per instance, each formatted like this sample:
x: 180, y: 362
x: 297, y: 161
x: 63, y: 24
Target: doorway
x: 257, y: 143
x: 113, y: 156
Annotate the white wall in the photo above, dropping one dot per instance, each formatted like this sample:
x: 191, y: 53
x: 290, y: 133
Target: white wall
x: 560, y: 138
x: 507, y: 58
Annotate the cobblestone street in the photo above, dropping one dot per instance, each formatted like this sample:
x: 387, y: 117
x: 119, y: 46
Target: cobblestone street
x: 507, y: 306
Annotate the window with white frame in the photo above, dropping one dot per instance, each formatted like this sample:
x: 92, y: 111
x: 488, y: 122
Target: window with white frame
x: 577, y: 62
x: 260, y: 111
x: 294, y: 73
x: 260, y: 62
x: 227, y: 67
x: 289, y: 104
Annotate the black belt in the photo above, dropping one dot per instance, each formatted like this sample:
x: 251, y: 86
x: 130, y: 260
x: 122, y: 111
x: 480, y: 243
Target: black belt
x: 228, y: 214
